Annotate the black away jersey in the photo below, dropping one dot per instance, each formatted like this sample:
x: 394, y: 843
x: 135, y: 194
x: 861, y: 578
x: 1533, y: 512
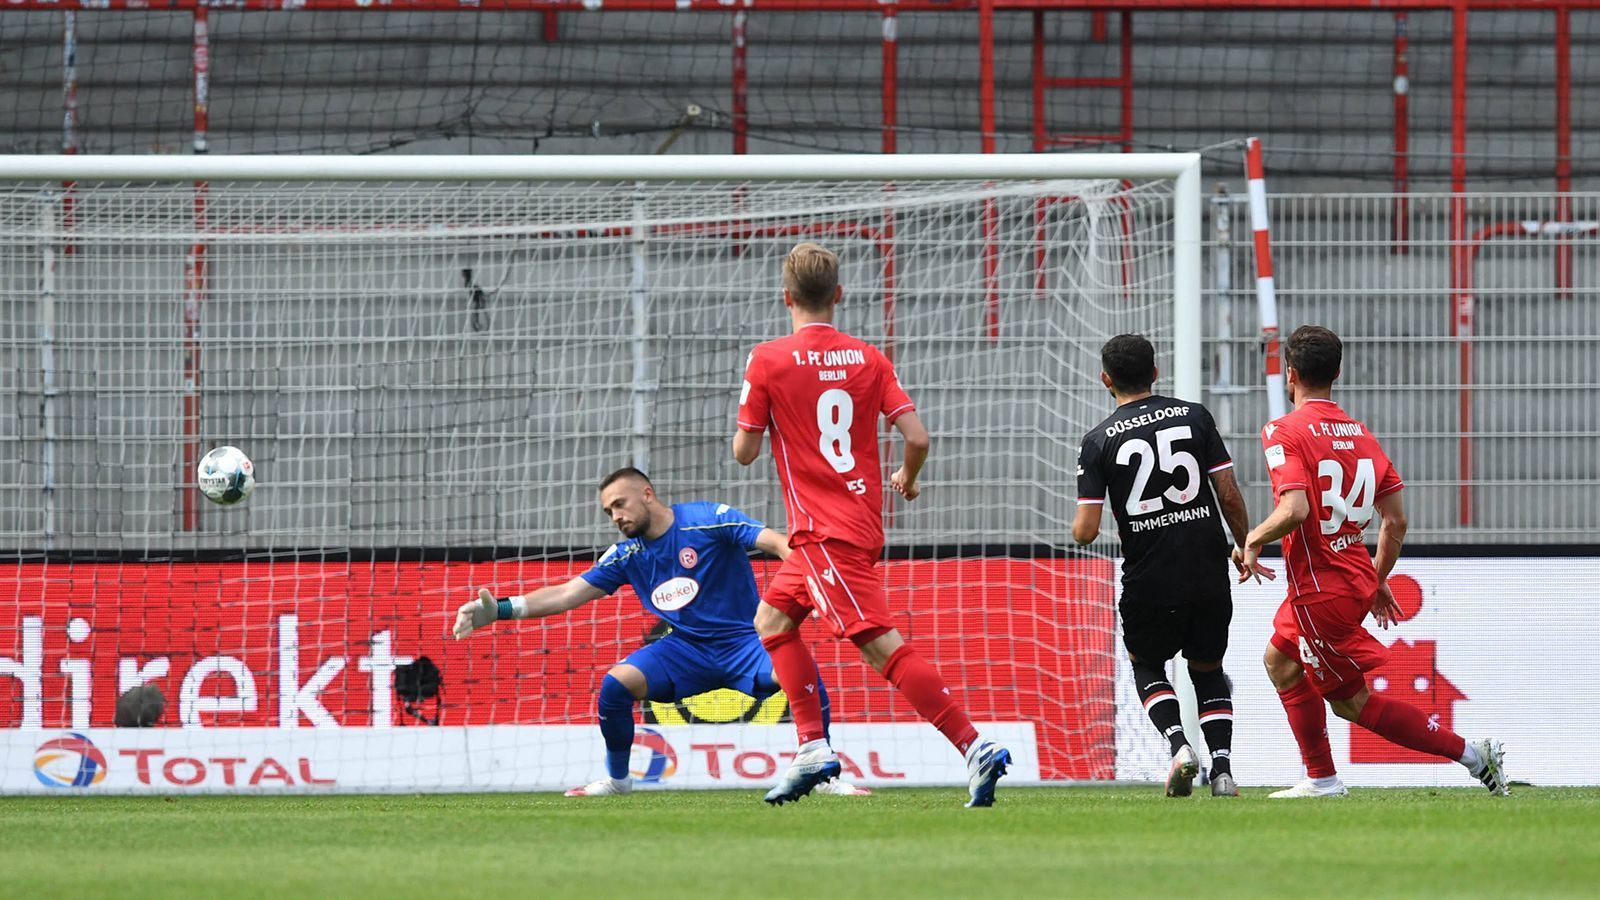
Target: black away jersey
x: 1152, y: 460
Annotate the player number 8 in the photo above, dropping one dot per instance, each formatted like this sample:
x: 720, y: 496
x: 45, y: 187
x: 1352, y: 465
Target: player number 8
x: 835, y: 412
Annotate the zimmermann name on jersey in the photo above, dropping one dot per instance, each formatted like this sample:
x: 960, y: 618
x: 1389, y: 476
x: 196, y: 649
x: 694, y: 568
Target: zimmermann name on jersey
x: 1171, y: 518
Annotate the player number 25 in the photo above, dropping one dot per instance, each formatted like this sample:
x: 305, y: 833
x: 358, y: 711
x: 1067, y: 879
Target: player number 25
x: 1171, y: 461
x: 835, y: 412
x: 1354, y: 507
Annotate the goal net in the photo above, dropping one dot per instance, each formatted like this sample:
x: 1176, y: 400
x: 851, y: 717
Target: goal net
x: 432, y: 373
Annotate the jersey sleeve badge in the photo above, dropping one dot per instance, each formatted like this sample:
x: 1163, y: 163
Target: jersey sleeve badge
x: 1275, y: 456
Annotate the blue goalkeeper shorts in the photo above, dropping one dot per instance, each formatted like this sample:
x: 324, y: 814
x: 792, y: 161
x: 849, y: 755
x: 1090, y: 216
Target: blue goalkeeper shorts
x: 675, y: 667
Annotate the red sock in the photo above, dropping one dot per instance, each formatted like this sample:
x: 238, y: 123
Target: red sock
x: 797, y: 675
x: 920, y: 683
x: 1308, y: 719
x: 1401, y: 723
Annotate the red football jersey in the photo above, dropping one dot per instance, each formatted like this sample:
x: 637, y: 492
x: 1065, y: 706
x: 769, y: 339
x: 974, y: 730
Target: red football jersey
x: 1319, y: 449
x: 821, y: 392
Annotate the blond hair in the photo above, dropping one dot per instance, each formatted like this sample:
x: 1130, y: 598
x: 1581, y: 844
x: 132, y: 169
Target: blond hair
x: 811, y: 276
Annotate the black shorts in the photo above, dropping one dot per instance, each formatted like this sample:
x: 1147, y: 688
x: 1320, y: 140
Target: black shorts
x: 1157, y: 624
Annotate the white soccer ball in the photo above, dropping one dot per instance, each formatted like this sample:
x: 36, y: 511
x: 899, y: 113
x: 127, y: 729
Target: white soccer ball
x: 226, y: 476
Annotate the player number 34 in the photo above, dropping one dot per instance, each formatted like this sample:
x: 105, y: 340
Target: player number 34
x: 1354, y: 507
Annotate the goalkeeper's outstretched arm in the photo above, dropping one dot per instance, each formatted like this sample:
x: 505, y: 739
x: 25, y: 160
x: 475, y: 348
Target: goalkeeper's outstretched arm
x: 546, y: 601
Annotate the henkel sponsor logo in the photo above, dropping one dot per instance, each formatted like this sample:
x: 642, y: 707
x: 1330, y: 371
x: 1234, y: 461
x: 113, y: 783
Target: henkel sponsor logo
x: 675, y: 593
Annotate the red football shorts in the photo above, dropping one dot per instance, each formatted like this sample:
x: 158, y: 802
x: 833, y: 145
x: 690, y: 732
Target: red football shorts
x: 1332, y: 645
x: 839, y: 581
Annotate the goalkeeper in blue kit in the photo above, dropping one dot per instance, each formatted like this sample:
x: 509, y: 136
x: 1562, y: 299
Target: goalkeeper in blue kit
x: 688, y: 563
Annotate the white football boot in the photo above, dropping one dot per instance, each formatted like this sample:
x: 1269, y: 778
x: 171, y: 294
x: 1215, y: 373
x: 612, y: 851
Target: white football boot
x: 1222, y: 785
x: 841, y: 788
x: 1329, y: 787
x: 986, y: 762
x: 814, y: 764
x: 1180, y: 778
x: 605, y: 787
x: 1491, y: 768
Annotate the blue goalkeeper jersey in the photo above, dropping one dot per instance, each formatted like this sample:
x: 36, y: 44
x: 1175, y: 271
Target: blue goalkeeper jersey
x: 697, y: 576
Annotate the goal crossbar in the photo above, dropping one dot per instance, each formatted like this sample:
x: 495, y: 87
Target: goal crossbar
x: 1183, y: 169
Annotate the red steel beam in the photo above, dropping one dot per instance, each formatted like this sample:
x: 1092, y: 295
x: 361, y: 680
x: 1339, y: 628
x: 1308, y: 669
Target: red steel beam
x: 874, y: 6
x: 886, y: 246
x: 1126, y: 81
x: 1115, y: 82
x: 1401, y: 227
x: 891, y: 80
x: 1040, y: 80
x: 741, y: 84
x: 1563, y: 147
x: 1463, y: 320
x: 991, y: 212
x: 1461, y: 312
x: 986, y: 73
x: 69, y: 118
x: 194, y: 278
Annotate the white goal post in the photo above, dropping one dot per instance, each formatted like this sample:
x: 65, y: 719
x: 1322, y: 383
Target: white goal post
x: 433, y: 360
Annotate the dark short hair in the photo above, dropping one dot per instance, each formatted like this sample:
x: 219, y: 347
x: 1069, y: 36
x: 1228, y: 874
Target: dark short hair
x: 1130, y: 360
x: 625, y: 472
x: 1316, y: 354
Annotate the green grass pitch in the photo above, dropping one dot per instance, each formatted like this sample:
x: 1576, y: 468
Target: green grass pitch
x: 1059, y: 842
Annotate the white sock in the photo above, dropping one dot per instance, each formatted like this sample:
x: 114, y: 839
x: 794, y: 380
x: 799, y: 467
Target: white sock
x: 820, y: 745
x: 1470, y: 758
x: 1330, y: 781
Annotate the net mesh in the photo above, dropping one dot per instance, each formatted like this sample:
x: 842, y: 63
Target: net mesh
x: 1318, y: 86
x: 431, y: 380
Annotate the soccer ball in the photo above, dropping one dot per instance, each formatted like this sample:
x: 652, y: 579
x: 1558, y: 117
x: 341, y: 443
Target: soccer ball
x: 226, y: 476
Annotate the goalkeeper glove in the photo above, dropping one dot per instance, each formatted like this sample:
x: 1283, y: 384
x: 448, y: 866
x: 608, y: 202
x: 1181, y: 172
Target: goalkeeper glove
x: 482, y: 612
